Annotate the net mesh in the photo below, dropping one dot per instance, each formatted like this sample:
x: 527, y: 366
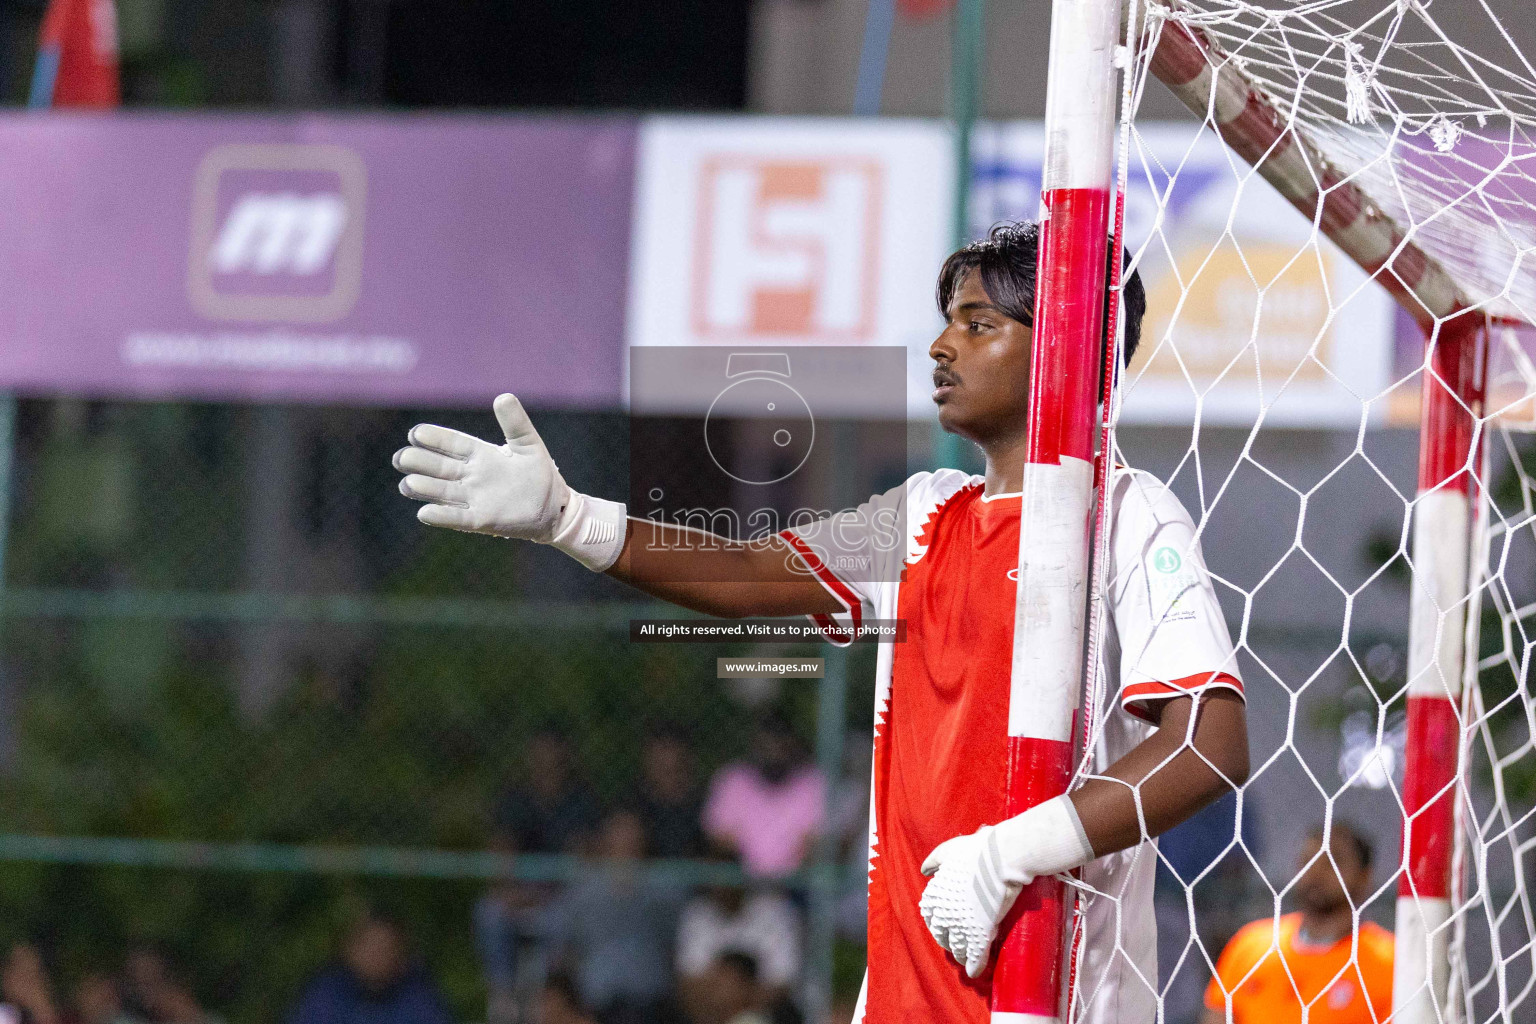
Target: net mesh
x: 1492, y: 944
x: 1438, y: 134
x: 246, y: 694
x: 1402, y: 133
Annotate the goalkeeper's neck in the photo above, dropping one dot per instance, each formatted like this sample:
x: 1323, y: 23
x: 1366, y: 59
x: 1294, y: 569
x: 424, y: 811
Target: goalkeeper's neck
x: 1006, y: 455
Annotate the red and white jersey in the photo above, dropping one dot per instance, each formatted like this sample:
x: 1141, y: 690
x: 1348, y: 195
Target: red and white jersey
x: 938, y: 554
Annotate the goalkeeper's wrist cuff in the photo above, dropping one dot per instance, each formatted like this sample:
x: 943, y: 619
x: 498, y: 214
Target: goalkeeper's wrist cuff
x: 591, y: 530
x: 1045, y: 840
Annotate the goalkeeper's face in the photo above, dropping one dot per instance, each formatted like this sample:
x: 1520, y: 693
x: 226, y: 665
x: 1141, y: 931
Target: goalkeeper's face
x: 1331, y: 877
x: 981, y: 367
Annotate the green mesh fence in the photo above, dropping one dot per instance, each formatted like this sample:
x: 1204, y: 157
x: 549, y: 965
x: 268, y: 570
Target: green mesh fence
x: 244, y: 691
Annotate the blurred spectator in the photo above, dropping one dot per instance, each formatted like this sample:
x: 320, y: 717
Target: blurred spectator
x: 513, y: 946
x: 734, y: 996
x: 559, y: 1003
x: 668, y: 798
x: 25, y: 987
x: 767, y: 809
x: 770, y: 808
x: 1321, y: 961
x: 848, y: 828
x: 98, y: 1000
x: 156, y: 992
x: 615, y: 925
x: 727, y: 919
x: 375, y: 982
x: 550, y: 811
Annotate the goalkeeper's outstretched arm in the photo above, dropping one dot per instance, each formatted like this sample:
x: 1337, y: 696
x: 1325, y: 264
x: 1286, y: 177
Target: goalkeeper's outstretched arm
x: 515, y: 490
x: 717, y: 576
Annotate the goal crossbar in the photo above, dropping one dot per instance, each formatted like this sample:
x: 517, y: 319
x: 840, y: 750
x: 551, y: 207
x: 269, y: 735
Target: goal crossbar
x: 1213, y: 86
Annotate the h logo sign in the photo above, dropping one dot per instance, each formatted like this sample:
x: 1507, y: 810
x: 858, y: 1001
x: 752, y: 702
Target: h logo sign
x: 277, y: 233
x: 787, y: 249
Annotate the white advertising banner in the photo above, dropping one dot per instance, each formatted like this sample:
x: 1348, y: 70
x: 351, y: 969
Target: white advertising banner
x: 788, y: 232
x: 777, y: 233
x: 1249, y: 313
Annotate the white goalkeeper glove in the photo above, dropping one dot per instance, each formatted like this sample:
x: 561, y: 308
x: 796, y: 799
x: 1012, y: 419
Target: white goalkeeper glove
x: 507, y: 490
x: 976, y: 878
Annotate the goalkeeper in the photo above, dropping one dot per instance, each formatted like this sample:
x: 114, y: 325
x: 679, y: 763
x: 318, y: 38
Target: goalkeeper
x: 945, y: 864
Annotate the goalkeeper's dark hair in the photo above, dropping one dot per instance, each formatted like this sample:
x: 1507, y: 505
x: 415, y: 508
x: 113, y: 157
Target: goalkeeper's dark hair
x: 1008, y: 260
x: 1350, y: 833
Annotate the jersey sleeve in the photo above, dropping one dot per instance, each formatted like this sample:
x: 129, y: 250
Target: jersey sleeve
x: 1173, y: 639
x: 854, y: 554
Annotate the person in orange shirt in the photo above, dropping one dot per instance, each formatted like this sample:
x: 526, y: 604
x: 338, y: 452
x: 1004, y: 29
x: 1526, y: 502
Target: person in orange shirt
x: 1267, y: 974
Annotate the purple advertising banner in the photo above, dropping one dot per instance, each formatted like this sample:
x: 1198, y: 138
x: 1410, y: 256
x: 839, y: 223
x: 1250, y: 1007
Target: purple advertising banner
x: 350, y: 260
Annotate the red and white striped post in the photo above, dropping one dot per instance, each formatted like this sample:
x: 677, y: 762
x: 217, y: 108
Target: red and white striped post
x: 1050, y: 615
x: 1442, y: 520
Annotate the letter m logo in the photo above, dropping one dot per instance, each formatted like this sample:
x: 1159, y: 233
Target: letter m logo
x: 277, y: 233
x: 280, y: 233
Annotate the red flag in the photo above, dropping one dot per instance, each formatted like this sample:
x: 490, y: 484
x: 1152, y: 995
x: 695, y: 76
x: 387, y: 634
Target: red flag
x: 77, y: 56
x: 923, y: 8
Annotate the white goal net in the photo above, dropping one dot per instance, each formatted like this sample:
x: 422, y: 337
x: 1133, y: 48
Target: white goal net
x: 1341, y: 269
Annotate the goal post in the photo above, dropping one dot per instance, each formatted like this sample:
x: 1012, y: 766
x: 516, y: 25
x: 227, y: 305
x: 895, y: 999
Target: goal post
x: 1057, y: 506
x: 1437, y: 628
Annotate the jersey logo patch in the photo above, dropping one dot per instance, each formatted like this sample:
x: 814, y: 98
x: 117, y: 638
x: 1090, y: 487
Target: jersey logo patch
x: 1167, y: 560
x: 1341, y: 995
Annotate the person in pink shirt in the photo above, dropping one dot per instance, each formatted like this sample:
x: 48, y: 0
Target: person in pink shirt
x: 769, y: 809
